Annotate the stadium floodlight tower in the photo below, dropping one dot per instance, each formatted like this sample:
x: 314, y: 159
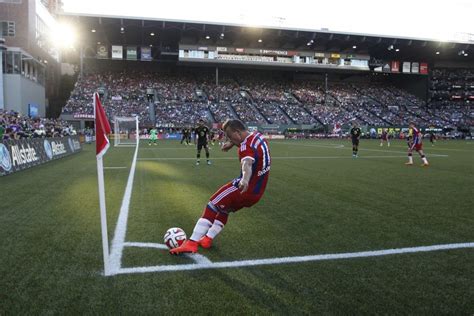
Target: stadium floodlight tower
x: 126, y: 131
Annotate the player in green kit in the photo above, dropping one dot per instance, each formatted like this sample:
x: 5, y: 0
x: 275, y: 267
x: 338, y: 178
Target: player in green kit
x: 153, y: 136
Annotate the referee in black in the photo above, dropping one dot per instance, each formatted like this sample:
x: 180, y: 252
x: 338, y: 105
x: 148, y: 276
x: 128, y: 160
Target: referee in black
x: 202, y: 136
x: 355, y: 135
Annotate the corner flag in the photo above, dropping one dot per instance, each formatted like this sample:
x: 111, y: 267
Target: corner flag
x: 102, y: 128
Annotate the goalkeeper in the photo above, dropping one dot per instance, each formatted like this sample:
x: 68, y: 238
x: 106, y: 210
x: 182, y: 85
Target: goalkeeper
x: 153, y: 136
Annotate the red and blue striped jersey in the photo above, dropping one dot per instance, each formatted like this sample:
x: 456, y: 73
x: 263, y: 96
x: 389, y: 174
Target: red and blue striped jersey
x: 417, y: 137
x: 256, y: 148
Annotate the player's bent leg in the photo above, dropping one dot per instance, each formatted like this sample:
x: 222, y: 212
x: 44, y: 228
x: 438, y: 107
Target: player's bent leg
x: 198, y: 156
x: 410, y: 159
x: 423, y: 157
x: 216, y: 228
x: 204, y: 223
x: 207, y: 155
x: 200, y: 229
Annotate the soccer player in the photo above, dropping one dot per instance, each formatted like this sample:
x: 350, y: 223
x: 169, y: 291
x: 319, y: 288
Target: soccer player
x: 244, y: 191
x: 415, y: 142
x: 183, y: 135
x: 153, y: 136
x: 212, y: 137
x: 220, y: 137
x: 384, y: 137
x: 202, y: 137
x: 432, y: 138
x: 355, y: 134
x: 188, y: 135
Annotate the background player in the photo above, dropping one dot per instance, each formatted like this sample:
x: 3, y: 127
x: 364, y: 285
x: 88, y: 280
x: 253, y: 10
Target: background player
x: 415, y: 142
x: 355, y: 135
x: 189, y: 132
x: 153, y: 136
x: 202, y: 137
x: 220, y: 137
x: 185, y: 136
x: 432, y: 138
x: 212, y: 137
x: 244, y: 191
x: 385, y: 137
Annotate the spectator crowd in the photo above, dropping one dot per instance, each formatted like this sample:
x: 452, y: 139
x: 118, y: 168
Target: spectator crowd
x: 16, y: 126
x: 182, y: 98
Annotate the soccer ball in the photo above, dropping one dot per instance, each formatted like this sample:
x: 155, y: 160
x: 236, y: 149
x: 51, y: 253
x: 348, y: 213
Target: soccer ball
x: 174, y: 237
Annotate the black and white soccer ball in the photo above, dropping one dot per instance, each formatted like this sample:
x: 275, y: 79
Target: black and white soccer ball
x: 174, y: 237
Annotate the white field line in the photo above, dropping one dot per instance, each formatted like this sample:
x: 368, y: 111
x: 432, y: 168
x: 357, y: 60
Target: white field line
x: 403, y: 152
x: 121, y: 227
x: 145, y: 245
x: 173, y: 148
x: 361, y: 149
x: 334, y: 146
x: 289, y: 157
x: 115, y: 167
x: 437, y: 148
x: 198, y: 258
x: 297, y: 259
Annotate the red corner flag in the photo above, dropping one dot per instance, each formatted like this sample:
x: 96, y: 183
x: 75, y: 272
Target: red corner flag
x: 102, y: 128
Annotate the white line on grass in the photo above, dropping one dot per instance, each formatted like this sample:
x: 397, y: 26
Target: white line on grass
x: 401, y: 152
x: 363, y: 149
x: 288, y: 157
x: 198, y: 258
x: 428, y: 147
x: 173, y: 148
x: 298, y: 259
x: 334, y: 146
x: 121, y: 227
x: 115, y: 167
x: 145, y: 245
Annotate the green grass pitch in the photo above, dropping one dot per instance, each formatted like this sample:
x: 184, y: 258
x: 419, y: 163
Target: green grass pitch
x: 319, y: 200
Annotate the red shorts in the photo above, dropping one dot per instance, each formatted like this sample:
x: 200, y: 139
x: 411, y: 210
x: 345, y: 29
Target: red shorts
x: 416, y: 147
x: 229, y: 198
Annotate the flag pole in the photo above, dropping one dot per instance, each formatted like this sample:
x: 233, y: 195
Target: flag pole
x: 103, y: 213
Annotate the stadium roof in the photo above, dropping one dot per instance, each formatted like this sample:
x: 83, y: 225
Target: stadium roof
x: 168, y: 34
x: 421, y: 19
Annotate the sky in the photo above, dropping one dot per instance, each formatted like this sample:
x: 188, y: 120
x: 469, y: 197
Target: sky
x: 448, y: 20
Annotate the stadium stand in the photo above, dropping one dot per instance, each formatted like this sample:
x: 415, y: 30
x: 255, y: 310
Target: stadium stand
x: 262, y: 98
x: 16, y: 126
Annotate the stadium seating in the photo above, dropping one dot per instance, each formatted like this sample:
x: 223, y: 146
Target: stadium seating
x: 262, y: 98
x: 16, y: 126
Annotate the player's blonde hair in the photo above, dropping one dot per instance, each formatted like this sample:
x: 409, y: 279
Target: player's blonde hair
x: 235, y: 125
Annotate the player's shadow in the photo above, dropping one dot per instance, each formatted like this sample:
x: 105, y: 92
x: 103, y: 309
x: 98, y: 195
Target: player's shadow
x: 279, y: 296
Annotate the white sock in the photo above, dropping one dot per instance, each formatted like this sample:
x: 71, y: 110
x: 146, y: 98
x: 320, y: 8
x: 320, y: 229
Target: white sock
x: 201, y: 228
x: 215, y: 229
x: 410, y: 159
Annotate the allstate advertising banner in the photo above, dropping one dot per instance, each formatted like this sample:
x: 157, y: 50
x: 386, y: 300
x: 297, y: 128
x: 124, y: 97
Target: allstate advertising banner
x: 16, y: 155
